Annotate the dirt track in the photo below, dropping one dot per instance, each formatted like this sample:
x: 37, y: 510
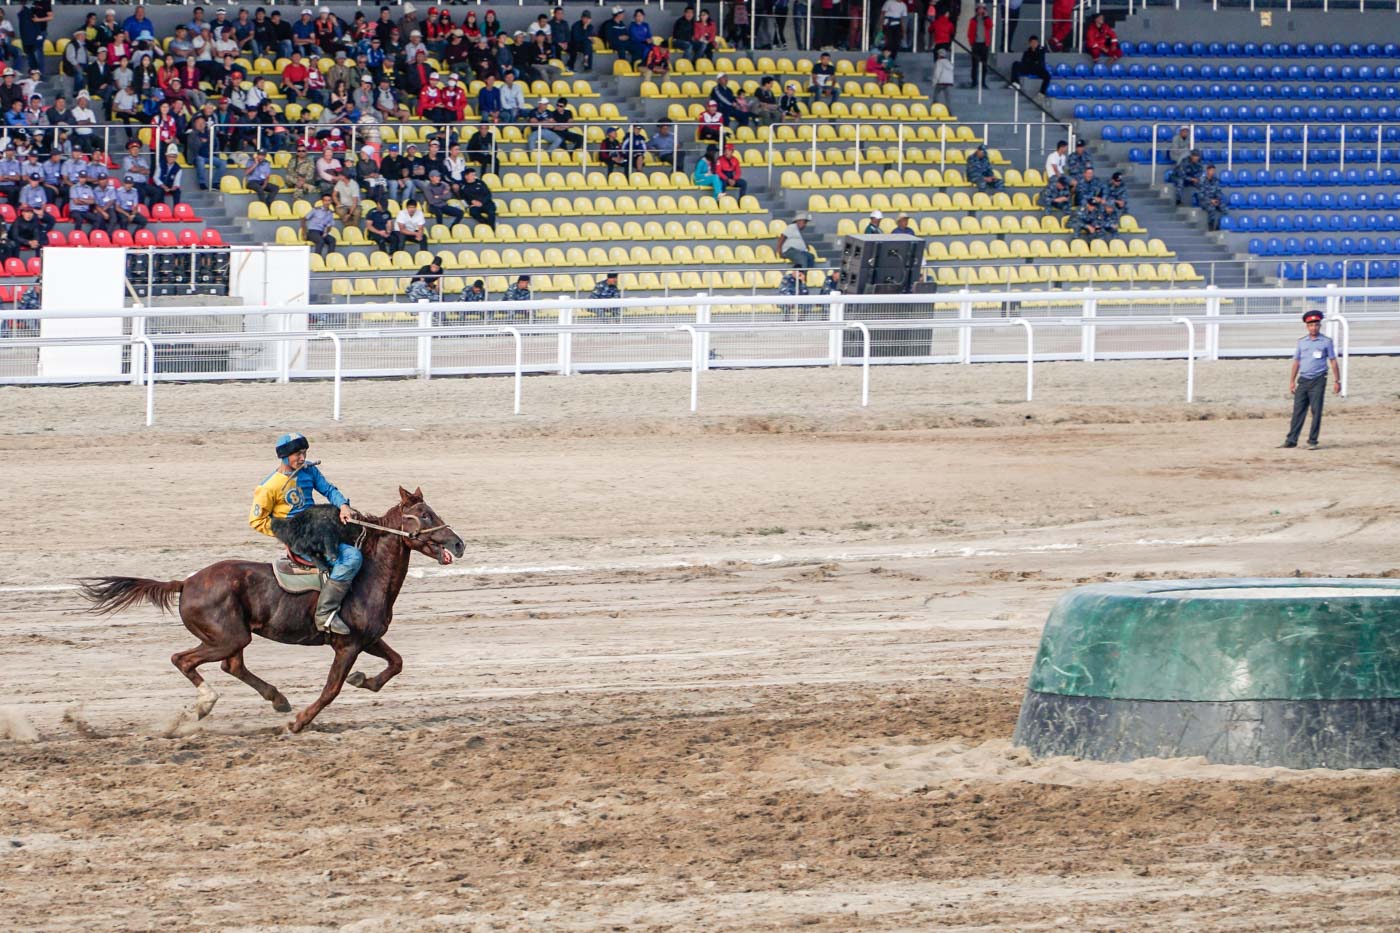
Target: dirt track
x: 753, y: 669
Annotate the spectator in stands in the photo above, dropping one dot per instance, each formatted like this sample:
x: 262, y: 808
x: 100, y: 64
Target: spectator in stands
x: 437, y: 195
x: 347, y: 197
x: 665, y: 147
x: 27, y: 232
x: 104, y: 204
x: 317, y: 227
x: 301, y: 172
x: 872, y: 225
x: 475, y: 292
x: 683, y: 34
x: 739, y: 32
x: 475, y: 193
x: 412, y: 226
x: 10, y: 175
x: 1180, y: 147
x: 387, y: 106
x: 126, y: 209
x: 1089, y: 220
x: 980, y: 36
x: 1100, y: 41
x: 1031, y: 65
x: 639, y: 36
x: 258, y: 179
x: 979, y: 171
x: 942, y: 29
x: 791, y: 244
x: 634, y: 148
x: 1055, y: 161
x: 657, y: 62
x: 730, y: 170
x: 902, y: 227
x: 793, y: 284
x: 168, y: 178
x: 1088, y: 187
x: 704, y: 37
x: 33, y: 20
x: 379, y: 229
x: 1188, y: 175
x: 328, y: 167
x: 711, y: 123
x: 1108, y: 219
x: 36, y: 196
x: 513, y: 106
x: 580, y: 50
x: 611, y: 154
x: 1062, y: 24
x: 704, y: 174
x: 454, y: 166
x: 1211, y: 199
x: 81, y: 199
x: 892, y: 14
x: 943, y: 78
x: 789, y: 105
x: 607, y: 288
x: 556, y: 132
x: 616, y: 35
x: 427, y: 284
x: 764, y: 107
x: 1057, y: 196
x: 723, y: 95
x: 1117, y: 193
x: 824, y: 80
x: 1076, y: 164
x: 75, y: 59
x: 209, y: 168
x: 481, y: 149
x: 520, y: 291
x: 488, y: 100
x: 294, y: 80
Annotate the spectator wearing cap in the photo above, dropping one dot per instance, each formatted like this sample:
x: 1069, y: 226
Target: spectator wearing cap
x: 724, y: 95
x: 616, y: 35
x: 1077, y: 162
x: 343, y: 70
x: 346, y: 198
x: 104, y: 212
x: 379, y: 229
x: 792, y: 246
x: 1210, y: 197
x: 605, y: 289
x: 11, y: 179
x: 1116, y: 192
x: 431, y: 106
x: 711, y: 123
x: 138, y: 165
x: 473, y: 293
x: 75, y: 60
x: 789, y: 104
x: 824, y: 79
x: 426, y: 285
x: 126, y: 209
x: 520, y: 291
x: 27, y: 232
x: 872, y: 226
x: 581, y: 42
x: 317, y: 227
x: 437, y: 195
x: 169, y: 176
x: 1307, y: 379
x: 36, y: 196
x: 731, y: 170
x: 665, y: 147
x: 411, y: 225
x: 454, y: 98
x: 81, y: 198
x: 477, y: 196
x: 304, y: 34
x: 301, y: 171
x: 1189, y: 173
x: 902, y: 226
x: 704, y: 173
x: 979, y: 171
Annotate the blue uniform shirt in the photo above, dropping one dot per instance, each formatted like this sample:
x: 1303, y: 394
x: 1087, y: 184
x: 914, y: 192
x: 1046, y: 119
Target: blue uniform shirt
x: 1312, y: 356
x: 33, y: 196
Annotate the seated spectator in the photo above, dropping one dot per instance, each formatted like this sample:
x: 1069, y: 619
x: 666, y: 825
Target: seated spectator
x: 379, y: 229
x: 1179, y: 149
x: 703, y: 39
x: 902, y: 227
x: 169, y: 176
x: 488, y: 100
x: 665, y: 147
x: 1031, y: 65
x: 657, y: 62
x: 513, y: 108
x: 711, y: 123
x: 427, y: 284
x: 1211, y: 198
x: 520, y: 291
x: 872, y: 226
x: 581, y: 42
x: 1100, y: 41
x: 472, y: 294
x: 317, y: 226
x: 81, y: 198
x: 328, y: 169
x: 1118, y: 193
x: 294, y: 80
x: 704, y: 174
x: 477, y: 196
x: 126, y: 208
x: 1057, y: 196
x: 764, y: 106
x: 634, y: 148
x: 27, y: 232
x: 979, y: 171
x: 607, y: 289
x: 728, y: 102
x: 1188, y: 175
x: 730, y: 170
x: 611, y: 154
x: 791, y: 244
x: 1089, y: 221
x: 104, y: 214
x: 824, y: 80
x: 556, y: 132
x: 789, y: 106
x: 437, y: 195
x: 35, y: 195
x: 1088, y: 187
x: 412, y: 227
x: 346, y: 197
x: 481, y: 149
x: 878, y: 66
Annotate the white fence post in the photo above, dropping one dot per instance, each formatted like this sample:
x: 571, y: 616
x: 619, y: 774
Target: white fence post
x: 566, y: 340
x: 964, y: 333
x: 1088, y: 335
x: 138, y: 351
x: 425, y: 344
x: 1213, y: 329
x: 284, y: 351
x: 702, y: 316
x: 836, y: 338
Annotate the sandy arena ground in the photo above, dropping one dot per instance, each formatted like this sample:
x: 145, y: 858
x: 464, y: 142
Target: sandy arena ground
x: 751, y: 669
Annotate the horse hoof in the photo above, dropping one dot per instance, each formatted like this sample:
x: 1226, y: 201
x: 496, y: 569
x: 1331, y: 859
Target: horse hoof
x: 281, y: 705
x: 356, y: 679
x: 294, y: 727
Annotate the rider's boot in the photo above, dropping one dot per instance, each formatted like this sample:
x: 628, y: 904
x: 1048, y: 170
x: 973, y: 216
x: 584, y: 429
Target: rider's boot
x: 332, y: 595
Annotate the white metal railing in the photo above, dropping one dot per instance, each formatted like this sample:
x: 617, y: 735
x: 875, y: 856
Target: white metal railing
x: 1306, y: 143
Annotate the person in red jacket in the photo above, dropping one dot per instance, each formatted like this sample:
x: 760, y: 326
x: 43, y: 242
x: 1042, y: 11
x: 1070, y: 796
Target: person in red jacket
x: 1100, y: 40
x: 730, y: 169
x: 454, y: 98
x: 942, y: 30
x: 979, y: 40
x: 1062, y: 16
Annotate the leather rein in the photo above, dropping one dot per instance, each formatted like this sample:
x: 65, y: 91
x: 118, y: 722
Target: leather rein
x: 410, y: 535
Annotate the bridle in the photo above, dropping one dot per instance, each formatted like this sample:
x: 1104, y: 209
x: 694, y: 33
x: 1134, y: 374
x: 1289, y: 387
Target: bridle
x: 410, y: 535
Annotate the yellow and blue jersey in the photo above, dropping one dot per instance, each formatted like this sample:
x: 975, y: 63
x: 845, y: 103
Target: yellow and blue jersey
x: 282, y: 494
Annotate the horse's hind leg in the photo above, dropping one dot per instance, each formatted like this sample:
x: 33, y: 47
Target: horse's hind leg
x: 233, y: 664
x: 188, y: 661
x: 221, y: 639
x: 376, y: 683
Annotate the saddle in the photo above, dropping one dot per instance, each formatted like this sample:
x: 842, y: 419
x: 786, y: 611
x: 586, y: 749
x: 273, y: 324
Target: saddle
x: 295, y: 575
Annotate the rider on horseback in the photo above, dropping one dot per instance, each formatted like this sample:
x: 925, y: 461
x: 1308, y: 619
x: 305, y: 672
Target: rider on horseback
x: 288, y: 491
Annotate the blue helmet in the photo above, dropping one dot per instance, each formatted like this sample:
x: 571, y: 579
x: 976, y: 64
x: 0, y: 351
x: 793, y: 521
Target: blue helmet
x: 290, y: 443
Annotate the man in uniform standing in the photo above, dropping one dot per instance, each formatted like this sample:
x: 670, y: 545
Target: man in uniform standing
x: 1308, y: 379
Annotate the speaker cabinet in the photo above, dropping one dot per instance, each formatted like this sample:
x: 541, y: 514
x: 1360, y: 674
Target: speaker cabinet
x: 881, y: 264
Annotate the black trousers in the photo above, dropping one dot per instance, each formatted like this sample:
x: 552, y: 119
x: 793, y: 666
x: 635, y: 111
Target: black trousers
x: 1018, y: 72
x: 979, y: 63
x: 1309, y: 395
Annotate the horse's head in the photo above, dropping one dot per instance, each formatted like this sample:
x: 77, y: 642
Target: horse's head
x: 427, y: 533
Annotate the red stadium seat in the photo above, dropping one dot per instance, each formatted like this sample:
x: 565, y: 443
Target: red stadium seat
x: 15, y: 266
x: 100, y: 239
x: 78, y: 238
x: 185, y: 213
x: 56, y: 237
x: 212, y: 237
x: 7, y: 213
x: 144, y: 237
x: 188, y: 237
x: 122, y: 238
x: 7, y: 294
x: 161, y: 213
x: 144, y: 211
x: 35, y: 266
x: 52, y: 211
x: 166, y: 238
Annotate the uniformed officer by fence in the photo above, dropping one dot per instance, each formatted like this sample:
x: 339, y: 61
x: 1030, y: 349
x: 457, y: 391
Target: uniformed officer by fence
x: 1308, y: 379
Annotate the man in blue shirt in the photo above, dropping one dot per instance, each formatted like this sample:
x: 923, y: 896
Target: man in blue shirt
x: 1308, y: 379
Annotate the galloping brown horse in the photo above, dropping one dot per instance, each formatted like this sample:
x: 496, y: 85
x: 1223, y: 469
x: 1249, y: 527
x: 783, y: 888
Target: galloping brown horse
x: 226, y: 604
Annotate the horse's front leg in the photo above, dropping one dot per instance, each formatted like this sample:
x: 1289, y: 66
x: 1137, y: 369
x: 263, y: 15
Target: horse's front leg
x: 345, y: 654
x: 374, y: 684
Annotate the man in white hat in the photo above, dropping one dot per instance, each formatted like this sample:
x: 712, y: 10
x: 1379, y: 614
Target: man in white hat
x: 169, y: 175
x: 791, y: 244
x: 873, y: 225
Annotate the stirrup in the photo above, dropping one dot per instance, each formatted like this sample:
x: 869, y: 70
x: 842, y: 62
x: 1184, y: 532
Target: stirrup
x: 334, y: 625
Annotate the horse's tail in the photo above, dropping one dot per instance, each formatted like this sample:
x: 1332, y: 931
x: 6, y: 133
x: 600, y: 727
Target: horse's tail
x: 113, y: 594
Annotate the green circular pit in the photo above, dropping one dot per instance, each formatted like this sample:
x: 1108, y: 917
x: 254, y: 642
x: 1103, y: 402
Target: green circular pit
x: 1299, y: 672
